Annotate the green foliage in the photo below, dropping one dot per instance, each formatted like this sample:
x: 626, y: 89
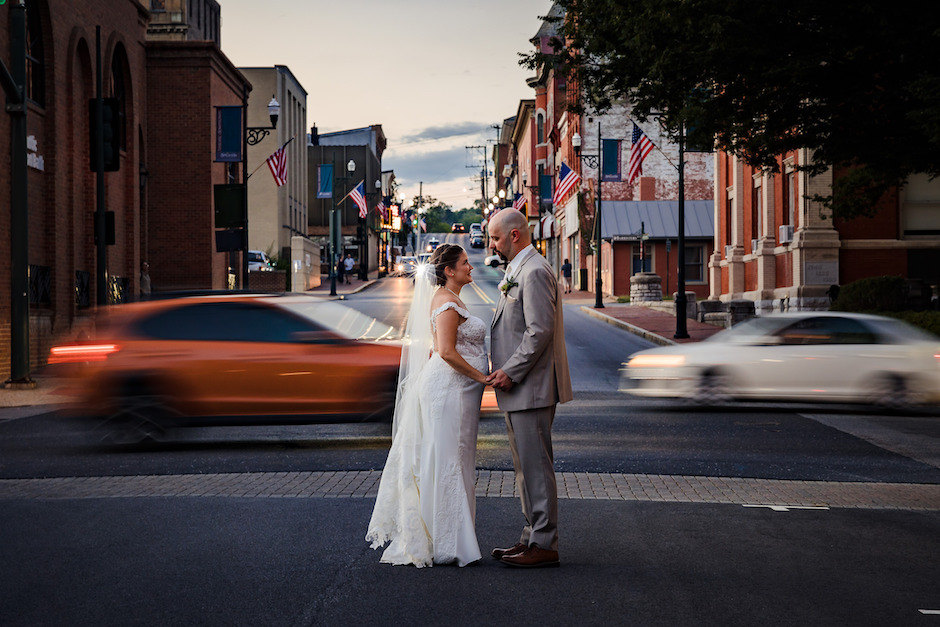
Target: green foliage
x: 874, y: 294
x: 859, y: 85
x: 440, y: 217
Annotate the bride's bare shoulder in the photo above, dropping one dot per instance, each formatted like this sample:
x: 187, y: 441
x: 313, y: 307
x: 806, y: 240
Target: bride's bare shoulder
x: 440, y: 298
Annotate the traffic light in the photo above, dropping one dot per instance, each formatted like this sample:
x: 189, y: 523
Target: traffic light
x: 111, y: 129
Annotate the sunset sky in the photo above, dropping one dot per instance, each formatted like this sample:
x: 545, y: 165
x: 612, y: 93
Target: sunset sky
x: 437, y: 75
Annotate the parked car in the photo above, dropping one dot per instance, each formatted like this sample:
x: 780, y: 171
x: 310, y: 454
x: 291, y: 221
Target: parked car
x: 493, y: 261
x: 476, y: 227
x: 806, y: 356
x: 476, y: 241
x: 458, y: 228
x: 230, y: 359
x: 258, y: 261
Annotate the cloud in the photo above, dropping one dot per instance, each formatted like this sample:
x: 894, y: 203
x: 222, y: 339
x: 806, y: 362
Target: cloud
x: 444, y: 131
x: 431, y: 167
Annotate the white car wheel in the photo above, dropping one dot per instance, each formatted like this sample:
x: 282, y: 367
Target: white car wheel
x: 892, y: 392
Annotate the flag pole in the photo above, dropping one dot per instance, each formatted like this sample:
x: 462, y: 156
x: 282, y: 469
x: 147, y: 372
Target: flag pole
x: 266, y: 160
x: 349, y: 192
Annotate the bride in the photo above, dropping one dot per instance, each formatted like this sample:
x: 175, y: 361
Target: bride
x: 426, y: 503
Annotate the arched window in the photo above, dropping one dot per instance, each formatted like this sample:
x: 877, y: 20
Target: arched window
x: 540, y: 128
x: 118, y: 66
x: 35, y: 55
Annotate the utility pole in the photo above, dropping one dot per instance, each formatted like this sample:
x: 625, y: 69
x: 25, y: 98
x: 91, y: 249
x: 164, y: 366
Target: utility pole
x: 101, y: 252
x: 14, y: 84
x: 681, y: 325
x: 483, y: 179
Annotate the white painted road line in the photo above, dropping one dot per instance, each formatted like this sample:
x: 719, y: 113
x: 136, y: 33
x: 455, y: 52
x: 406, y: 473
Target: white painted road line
x: 787, y: 508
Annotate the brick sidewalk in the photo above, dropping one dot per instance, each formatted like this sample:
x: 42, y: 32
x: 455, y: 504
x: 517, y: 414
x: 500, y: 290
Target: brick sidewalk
x: 655, y: 325
x: 773, y: 493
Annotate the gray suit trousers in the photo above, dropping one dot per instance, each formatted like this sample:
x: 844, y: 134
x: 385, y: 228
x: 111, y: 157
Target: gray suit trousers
x: 530, y: 440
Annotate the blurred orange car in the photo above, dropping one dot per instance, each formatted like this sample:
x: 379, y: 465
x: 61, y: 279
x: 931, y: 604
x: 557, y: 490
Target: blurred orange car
x: 237, y: 359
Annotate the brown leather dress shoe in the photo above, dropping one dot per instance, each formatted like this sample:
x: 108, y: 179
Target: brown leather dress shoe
x: 533, y: 557
x: 501, y: 553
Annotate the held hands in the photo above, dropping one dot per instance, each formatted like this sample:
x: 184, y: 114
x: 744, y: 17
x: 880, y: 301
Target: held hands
x: 499, y: 380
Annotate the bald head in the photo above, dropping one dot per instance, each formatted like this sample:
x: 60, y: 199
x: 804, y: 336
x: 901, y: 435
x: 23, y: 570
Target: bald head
x: 509, y: 233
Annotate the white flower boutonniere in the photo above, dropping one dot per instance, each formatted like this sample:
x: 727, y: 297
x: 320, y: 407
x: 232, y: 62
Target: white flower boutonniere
x: 508, y: 284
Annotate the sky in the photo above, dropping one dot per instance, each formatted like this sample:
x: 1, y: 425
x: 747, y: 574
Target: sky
x: 436, y: 74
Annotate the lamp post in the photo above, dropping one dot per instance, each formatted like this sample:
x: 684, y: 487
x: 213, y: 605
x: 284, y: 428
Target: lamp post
x: 681, y: 325
x: 253, y: 136
x: 13, y: 81
x: 364, y: 237
x: 593, y: 161
x: 336, y: 224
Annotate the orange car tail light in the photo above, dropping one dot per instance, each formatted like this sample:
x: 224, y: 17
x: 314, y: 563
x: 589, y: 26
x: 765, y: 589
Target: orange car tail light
x: 78, y: 353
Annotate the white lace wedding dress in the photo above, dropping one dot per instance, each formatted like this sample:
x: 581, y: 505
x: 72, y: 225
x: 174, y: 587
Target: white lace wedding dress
x: 426, y: 503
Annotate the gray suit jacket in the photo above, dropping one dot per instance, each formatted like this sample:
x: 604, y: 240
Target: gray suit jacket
x: 528, y: 339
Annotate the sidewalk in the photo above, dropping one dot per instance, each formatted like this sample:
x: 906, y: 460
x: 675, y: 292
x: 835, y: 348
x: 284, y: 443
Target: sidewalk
x: 342, y: 289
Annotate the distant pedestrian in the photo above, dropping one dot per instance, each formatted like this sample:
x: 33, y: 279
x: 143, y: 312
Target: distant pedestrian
x: 340, y: 271
x: 145, y: 285
x: 348, y: 263
x: 566, y: 276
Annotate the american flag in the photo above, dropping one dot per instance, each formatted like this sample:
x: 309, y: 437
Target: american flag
x: 278, y: 165
x: 519, y: 203
x: 381, y: 209
x: 358, y: 196
x: 424, y: 225
x: 641, y: 147
x: 567, y: 178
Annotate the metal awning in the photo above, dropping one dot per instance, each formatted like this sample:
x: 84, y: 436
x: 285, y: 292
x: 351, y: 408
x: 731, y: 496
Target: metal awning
x: 621, y: 220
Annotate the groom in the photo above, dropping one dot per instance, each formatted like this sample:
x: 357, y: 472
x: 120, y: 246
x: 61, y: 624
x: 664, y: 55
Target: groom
x: 530, y: 378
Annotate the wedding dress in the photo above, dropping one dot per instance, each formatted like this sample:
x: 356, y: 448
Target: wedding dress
x: 426, y: 503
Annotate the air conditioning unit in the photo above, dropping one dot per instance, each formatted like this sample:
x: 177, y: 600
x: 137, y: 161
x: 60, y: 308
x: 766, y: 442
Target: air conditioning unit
x: 729, y: 249
x: 754, y: 244
x: 785, y: 233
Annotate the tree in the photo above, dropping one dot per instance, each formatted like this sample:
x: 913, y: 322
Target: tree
x: 856, y: 83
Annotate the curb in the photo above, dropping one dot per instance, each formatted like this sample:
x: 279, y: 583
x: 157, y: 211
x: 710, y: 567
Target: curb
x: 626, y: 326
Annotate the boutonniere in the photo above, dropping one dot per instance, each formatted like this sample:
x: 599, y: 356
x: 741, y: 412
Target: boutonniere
x: 508, y: 285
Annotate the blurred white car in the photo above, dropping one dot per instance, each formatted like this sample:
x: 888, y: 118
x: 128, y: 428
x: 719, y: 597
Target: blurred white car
x: 493, y: 261
x: 807, y: 356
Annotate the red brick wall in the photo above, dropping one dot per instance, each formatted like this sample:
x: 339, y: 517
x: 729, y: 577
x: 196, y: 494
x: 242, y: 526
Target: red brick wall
x: 62, y: 196
x: 861, y: 264
x: 783, y: 265
x: 181, y: 146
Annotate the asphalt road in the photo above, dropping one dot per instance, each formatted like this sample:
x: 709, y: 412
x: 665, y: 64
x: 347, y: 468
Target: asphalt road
x: 258, y: 557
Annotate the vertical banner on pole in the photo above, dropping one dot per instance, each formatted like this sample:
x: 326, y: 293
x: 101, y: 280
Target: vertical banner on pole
x: 228, y: 134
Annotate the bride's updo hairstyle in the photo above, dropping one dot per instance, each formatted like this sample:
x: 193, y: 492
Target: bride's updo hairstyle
x: 444, y: 256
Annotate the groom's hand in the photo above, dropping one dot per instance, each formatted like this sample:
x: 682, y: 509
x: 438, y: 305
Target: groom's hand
x: 500, y: 380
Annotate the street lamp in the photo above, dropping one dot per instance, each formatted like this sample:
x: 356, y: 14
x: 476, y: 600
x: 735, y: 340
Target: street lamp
x: 364, y: 240
x: 253, y: 136
x: 336, y: 226
x: 594, y: 161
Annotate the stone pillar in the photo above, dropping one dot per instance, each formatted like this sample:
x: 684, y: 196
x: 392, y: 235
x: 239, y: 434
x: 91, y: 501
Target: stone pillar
x: 646, y: 287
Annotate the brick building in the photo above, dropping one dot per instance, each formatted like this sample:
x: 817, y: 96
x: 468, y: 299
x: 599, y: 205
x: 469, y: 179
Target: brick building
x: 361, y: 236
x: 605, y: 143
x: 166, y: 85
x: 775, y: 246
